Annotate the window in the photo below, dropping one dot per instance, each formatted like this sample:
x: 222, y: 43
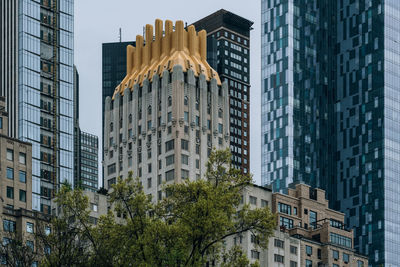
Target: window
x: 169, y: 101
x: 169, y: 116
x: 253, y: 200
x: 308, y: 263
x: 47, y: 230
x: 170, y: 160
x: 10, y: 173
x: 278, y: 258
x: 264, y: 203
x: 185, y: 100
x: 170, y: 175
x: 94, y: 207
x: 319, y: 253
x: 293, y: 250
x: 111, y: 182
x: 29, y: 227
x: 346, y: 257
x: 286, y: 222
x: 284, y: 208
x: 149, y: 169
x: 340, y: 240
x: 8, y: 226
x: 184, y: 174
x: 255, y: 254
x: 308, y: 250
x: 254, y: 239
x: 294, y: 211
x: 111, y: 169
x: 30, y: 245
x: 185, y: 159
x: 10, y: 192
x: 279, y: 243
x: 185, y: 144
x: 148, y: 182
x: 22, y: 195
x: 313, y: 219
x: 10, y: 154
x: 220, y: 128
x: 293, y: 263
x: 1, y: 123
x: 22, y: 176
x: 335, y: 254
x: 169, y: 145
x: 22, y: 158
x: 360, y: 263
x: 186, y: 116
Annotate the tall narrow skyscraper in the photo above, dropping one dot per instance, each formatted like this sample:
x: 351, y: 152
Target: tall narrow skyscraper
x: 228, y: 50
x: 330, y: 115
x: 113, y: 71
x: 37, y: 81
x: 168, y: 113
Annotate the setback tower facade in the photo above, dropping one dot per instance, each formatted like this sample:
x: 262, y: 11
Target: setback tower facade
x: 228, y: 51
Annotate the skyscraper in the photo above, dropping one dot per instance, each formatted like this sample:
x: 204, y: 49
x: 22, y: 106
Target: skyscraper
x: 168, y: 112
x: 228, y: 51
x: 330, y: 114
x: 86, y: 150
x: 113, y: 71
x: 37, y: 81
x: 88, y: 168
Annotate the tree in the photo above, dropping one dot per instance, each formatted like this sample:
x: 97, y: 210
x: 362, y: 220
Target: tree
x: 67, y: 240
x: 15, y: 251
x: 189, y: 226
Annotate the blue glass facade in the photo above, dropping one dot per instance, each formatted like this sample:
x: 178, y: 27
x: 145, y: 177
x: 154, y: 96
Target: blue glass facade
x: 45, y: 93
x: 330, y: 110
x: 29, y: 86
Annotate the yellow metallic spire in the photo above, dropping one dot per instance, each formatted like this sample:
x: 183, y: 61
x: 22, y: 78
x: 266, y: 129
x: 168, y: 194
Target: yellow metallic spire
x: 180, y: 47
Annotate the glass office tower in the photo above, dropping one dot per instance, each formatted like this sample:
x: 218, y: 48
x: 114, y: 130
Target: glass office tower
x: 37, y: 43
x: 330, y: 110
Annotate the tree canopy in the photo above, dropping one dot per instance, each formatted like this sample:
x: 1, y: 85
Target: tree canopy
x: 188, y: 227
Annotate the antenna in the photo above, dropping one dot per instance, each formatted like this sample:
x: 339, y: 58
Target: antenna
x: 120, y: 35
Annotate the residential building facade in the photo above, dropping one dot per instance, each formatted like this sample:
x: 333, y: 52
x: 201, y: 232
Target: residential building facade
x: 168, y: 113
x: 37, y: 82
x: 228, y: 51
x: 17, y: 218
x: 325, y: 240
x: 329, y: 110
x: 282, y: 249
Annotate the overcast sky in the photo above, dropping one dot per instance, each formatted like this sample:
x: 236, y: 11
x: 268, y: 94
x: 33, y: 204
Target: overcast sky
x: 98, y: 21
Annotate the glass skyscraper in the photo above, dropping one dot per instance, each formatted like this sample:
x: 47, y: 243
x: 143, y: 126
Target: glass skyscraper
x: 37, y: 43
x: 330, y: 110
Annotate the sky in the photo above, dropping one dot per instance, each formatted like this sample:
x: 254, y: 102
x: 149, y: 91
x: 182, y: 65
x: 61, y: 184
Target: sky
x: 98, y: 21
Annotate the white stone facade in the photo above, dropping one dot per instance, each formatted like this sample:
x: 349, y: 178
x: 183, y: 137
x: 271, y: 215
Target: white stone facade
x: 164, y: 130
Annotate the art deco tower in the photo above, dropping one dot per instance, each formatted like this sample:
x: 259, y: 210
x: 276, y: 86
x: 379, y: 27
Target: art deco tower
x: 169, y: 111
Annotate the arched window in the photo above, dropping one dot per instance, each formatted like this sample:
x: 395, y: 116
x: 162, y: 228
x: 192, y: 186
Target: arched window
x: 111, y: 127
x: 130, y: 118
x: 149, y: 110
x: 169, y: 101
x: 220, y: 113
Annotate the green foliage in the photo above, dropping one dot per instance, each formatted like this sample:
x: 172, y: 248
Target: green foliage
x: 187, y: 228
